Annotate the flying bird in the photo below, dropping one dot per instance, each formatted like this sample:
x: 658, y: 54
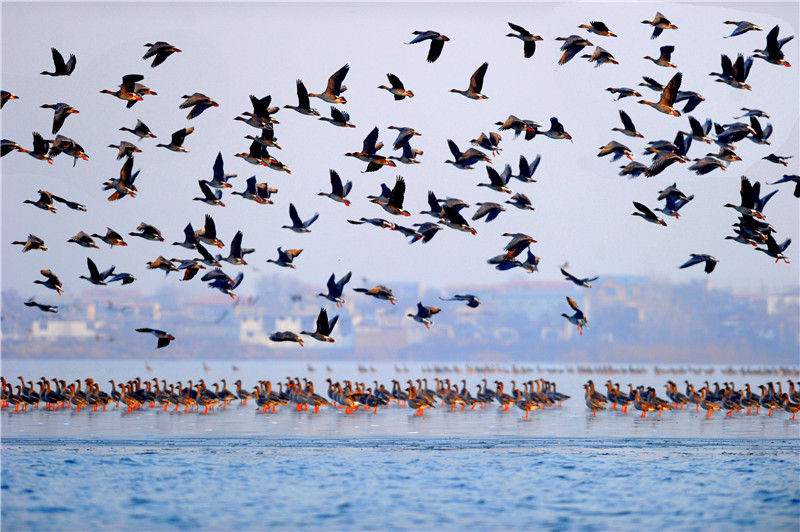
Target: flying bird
x: 437, y: 43
x: 164, y: 338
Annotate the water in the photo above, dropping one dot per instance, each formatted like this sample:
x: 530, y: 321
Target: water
x: 481, y: 469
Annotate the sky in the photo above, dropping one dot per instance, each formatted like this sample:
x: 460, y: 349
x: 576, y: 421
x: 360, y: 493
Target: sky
x: 583, y: 207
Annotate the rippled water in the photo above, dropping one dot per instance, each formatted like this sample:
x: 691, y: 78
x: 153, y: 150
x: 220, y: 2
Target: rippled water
x: 482, y: 469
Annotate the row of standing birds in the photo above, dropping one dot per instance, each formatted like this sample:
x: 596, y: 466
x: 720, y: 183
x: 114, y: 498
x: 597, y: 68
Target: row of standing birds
x: 350, y: 396
x: 727, y: 398
x: 391, y: 200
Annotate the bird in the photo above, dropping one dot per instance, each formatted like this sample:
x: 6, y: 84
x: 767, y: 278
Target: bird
x: 778, y: 159
x: 520, y: 201
x: 164, y: 338
x: 126, y: 90
x: 61, y: 112
x: 112, y: 238
x: 236, y: 254
x: 9, y: 145
x: 33, y: 242
x: 704, y: 165
x: 527, y: 38
x: 578, y: 318
x: 772, y: 53
x: 404, y: 135
x: 303, y: 105
x: 40, y: 149
x: 286, y: 336
x: 664, y: 58
x: 424, y: 314
x: 123, y: 185
x: 61, y: 68
x: 425, y: 232
x: 734, y: 74
x: 160, y: 263
x: 380, y: 291
x: 298, y: 225
x: 95, y: 276
x: 776, y: 250
x: 471, y: 300
x: 633, y: 169
x: 41, y: 306
x: 488, y: 209
x: 659, y: 24
x: 334, y: 87
x: 393, y: 204
x: 324, y: 327
x: 125, y: 149
x: 6, y: 96
x: 409, y: 155
x: 338, y: 118
x: 616, y: 150
x: 742, y: 26
x: 488, y: 142
x: 466, y: 159
x: 377, y: 222
x: 674, y: 203
x: 598, y: 28
x: 667, y: 100
x: 198, y: 102
x: 209, y: 197
x: 790, y: 179
x: 83, y: 239
x: 556, y: 130
x: 208, y: 233
x: 397, y: 88
x: 336, y: 288
x: 579, y: 282
x: 222, y: 282
x: 453, y: 219
x: 51, y: 281
x: 518, y: 125
x: 697, y: 258
x: 176, y: 144
x: 286, y: 258
x: 747, y: 205
x: 338, y: 191
x: 497, y: 182
x: 600, y: 56
x: 572, y: 45
x: 140, y: 130
x: 437, y: 43
x: 473, y: 92
x: 647, y: 214
x: 159, y: 50
x: 219, y: 178
x: 629, y: 129
x: 623, y: 92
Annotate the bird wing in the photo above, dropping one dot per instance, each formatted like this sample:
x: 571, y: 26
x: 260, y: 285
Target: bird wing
x: 93, y: 272
x: 236, y: 244
x: 335, y: 81
x: 398, y: 193
x: 58, y: 60
x: 671, y: 90
x: 644, y: 209
x: 520, y: 29
x: 628, y: 123
x: 336, y: 184
x: 370, y: 141
x: 395, y: 82
x: 204, y: 188
x: 695, y: 259
x: 476, y: 81
x: 296, y: 221
x: 435, y: 50
x: 454, y: 149
x: 219, y: 171
x: 302, y: 95
x: 573, y: 304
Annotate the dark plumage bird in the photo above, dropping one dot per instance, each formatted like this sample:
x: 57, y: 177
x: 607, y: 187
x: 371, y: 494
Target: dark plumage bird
x: 298, y: 225
x: 286, y: 336
x: 659, y: 23
x: 61, y: 68
x: 164, y: 338
x: 61, y: 112
x: 665, y: 58
x: 125, y: 149
x: 127, y: 90
x: 577, y: 281
x: 571, y: 47
x: 616, y: 150
x: 598, y: 28
x: 773, y: 53
x: 334, y: 88
x: 600, y: 56
x: 628, y: 128
x: 324, y: 327
x: 5, y: 96
x: 338, y: 118
x: 437, y: 43
x: 198, y: 102
x: 488, y: 209
x: 160, y: 51
x: 397, y: 88
x: 710, y: 262
x: 51, y: 281
x: 148, y: 232
x: 33, y: 242
x: 667, y: 100
x: 578, y: 318
x: 378, y: 292
x: 424, y: 314
x: 83, y: 239
x: 336, y: 289
x: 623, y: 92
x: 734, y: 74
x: 473, y: 92
x: 41, y: 306
x: 471, y: 300
x: 790, y: 179
x: 176, y: 144
x: 95, y: 276
x: 393, y: 204
x: 778, y: 159
x: 208, y: 233
x: 286, y: 258
x: 303, y: 104
x: 776, y: 250
x: 647, y: 214
x: 521, y: 201
x: 40, y: 149
x: 466, y: 159
x: 528, y: 39
x: 140, y: 130
x: 209, y: 197
x: 742, y: 26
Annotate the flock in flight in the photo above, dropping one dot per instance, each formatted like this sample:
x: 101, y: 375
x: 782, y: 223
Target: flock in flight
x: 751, y: 229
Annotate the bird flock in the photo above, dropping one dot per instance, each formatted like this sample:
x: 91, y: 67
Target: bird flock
x: 448, y: 212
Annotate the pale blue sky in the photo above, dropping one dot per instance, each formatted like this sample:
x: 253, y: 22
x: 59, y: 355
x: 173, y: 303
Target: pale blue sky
x: 583, y: 208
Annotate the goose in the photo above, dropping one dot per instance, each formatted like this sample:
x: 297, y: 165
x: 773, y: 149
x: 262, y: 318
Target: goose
x: 199, y: 102
x: 397, y: 88
x: 773, y: 53
x: 112, y: 238
x: 528, y: 39
x: 159, y: 51
x: 598, y: 28
x: 579, y: 318
x: 324, y: 327
x: 164, y: 338
x: 334, y: 87
x: 298, y: 225
x: 126, y: 90
x: 61, y: 68
x: 176, y: 144
x: 659, y: 24
x: 424, y: 314
x: 140, y: 130
x: 338, y: 118
x: 208, y: 233
x: 437, y: 42
x: 647, y: 214
x: 40, y: 149
x: 303, y: 105
x: 734, y: 74
x: 209, y: 197
x: 600, y: 56
x: 488, y: 209
x: 83, y: 239
x: 520, y: 201
x: 380, y: 291
x: 236, y: 254
x: 95, y: 276
x: 572, y: 45
x: 664, y: 105
x: 148, y: 232
x: 742, y: 26
x: 776, y: 250
x: 473, y: 92
x: 286, y: 258
x: 336, y: 288
x: 575, y: 280
x: 465, y: 160
x: 51, y: 281
x: 33, y: 242
x: 338, y: 191
x: 664, y: 58
x: 623, y: 92
x: 125, y: 149
x: 61, y: 112
x: 471, y: 300
x: 629, y: 129
x: 616, y: 150
x: 41, y: 306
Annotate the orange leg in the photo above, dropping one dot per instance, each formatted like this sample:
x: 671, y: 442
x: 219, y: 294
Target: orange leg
x: 206, y: 410
x: 644, y: 414
x: 526, y: 413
